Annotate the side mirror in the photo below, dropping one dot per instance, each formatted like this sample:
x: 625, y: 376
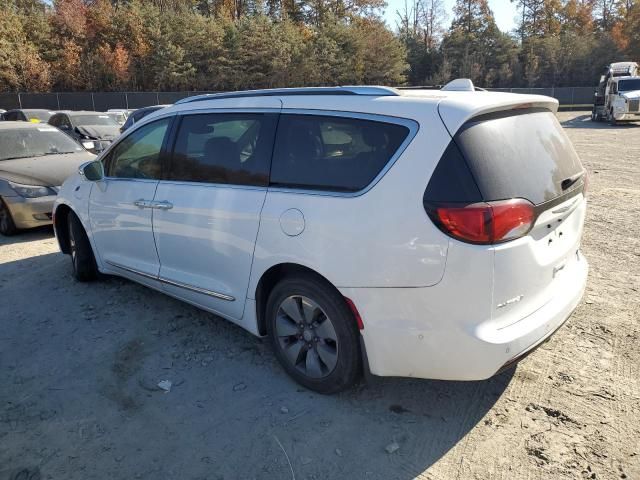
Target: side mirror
x: 92, y: 171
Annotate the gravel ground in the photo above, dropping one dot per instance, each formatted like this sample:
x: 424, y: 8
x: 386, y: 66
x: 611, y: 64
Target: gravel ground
x: 79, y: 365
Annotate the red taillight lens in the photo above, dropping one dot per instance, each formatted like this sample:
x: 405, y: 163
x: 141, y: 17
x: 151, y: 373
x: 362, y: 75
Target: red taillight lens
x: 485, y: 223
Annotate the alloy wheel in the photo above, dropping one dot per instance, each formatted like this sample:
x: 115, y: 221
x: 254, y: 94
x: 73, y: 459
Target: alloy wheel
x: 306, y: 336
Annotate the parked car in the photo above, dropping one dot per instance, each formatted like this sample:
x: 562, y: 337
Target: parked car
x: 429, y: 234
x: 34, y: 161
x: 94, y: 130
x: 34, y: 115
x: 139, y: 115
x: 120, y: 115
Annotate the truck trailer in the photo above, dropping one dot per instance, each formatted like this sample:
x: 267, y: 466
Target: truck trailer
x: 617, y: 98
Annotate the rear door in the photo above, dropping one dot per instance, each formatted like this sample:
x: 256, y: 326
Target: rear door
x: 526, y: 154
x: 212, y: 195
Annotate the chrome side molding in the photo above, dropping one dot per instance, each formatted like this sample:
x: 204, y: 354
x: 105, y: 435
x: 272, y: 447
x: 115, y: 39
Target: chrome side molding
x: 166, y: 281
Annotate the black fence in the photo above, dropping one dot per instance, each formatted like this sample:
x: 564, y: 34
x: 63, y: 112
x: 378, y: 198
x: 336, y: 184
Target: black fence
x: 101, y: 101
x: 567, y: 96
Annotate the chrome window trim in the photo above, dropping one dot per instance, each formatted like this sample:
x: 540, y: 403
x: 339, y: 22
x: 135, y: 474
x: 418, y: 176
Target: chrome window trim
x: 211, y: 109
x: 174, y: 283
x: 214, y: 185
x: 412, y: 125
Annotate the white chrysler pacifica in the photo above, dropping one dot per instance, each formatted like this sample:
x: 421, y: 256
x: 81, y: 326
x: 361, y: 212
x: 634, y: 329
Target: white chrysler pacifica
x: 419, y: 233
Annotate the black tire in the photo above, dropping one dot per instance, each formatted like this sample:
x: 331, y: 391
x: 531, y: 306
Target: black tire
x: 7, y: 225
x: 345, y: 366
x: 82, y: 259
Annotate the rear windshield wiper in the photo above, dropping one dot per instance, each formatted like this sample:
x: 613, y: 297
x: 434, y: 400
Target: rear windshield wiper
x: 567, y: 182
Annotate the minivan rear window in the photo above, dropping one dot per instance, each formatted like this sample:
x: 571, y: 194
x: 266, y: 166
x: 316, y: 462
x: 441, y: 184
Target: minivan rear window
x: 332, y: 153
x: 518, y: 155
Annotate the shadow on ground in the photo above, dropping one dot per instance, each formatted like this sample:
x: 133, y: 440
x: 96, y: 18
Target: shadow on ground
x: 584, y: 121
x: 31, y: 235
x: 81, y: 364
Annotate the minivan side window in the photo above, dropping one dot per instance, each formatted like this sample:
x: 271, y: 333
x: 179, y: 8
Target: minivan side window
x: 332, y: 153
x: 229, y: 148
x: 138, y: 155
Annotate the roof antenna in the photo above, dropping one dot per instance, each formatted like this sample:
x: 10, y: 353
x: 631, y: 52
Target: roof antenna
x: 459, y: 85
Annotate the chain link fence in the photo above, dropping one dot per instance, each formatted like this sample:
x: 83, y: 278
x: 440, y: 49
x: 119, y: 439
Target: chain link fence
x: 574, y: 97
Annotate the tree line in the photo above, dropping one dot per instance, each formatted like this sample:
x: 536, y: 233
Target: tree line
x: 172, y: 45
x: 557, y: 42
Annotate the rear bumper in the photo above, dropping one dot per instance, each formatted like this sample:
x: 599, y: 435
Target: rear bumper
x: 425, y: 333
x: 30, y: 212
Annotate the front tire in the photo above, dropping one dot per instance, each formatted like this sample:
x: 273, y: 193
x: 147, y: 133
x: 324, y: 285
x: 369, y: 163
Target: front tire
x: 82, y: 258
x: 7, y: 225
x: 314, y: 334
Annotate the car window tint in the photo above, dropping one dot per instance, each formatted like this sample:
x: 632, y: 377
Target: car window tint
x: 233, y: 148
x: 138, y: 155
x: 332, y: 153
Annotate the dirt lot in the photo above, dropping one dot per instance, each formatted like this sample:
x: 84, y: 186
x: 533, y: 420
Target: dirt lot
x: 79, y: 365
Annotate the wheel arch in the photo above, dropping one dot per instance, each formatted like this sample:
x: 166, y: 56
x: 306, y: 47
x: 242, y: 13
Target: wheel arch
x: 60, y: 218
x: 270, y: 278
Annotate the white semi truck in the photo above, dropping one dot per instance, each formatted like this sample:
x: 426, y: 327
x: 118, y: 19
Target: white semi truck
x: 617, y: 98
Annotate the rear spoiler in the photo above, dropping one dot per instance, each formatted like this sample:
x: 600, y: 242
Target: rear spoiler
x: 456, y: 110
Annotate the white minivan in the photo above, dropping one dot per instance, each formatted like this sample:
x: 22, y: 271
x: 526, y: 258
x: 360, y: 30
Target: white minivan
x: 417, y: 233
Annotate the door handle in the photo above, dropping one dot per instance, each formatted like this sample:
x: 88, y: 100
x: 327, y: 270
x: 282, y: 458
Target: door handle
x: 163, y: 205
x: 143, y: 203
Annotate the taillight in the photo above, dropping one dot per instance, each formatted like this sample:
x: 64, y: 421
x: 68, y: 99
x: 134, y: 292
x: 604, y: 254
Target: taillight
x: 484, y: 222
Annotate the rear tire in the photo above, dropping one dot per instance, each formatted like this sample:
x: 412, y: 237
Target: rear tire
x: 314, y: 334
x: 82, y: 258
x: 7, y: 225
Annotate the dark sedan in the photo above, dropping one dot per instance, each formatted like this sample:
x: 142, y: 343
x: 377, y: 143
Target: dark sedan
x: 139, y: 115
x: 94, y: 130
x: 35, y: 159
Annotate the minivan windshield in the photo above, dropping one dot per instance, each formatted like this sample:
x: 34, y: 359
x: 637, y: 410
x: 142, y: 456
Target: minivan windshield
x: 629, y: 85
x: 103, y: 119
x: 515, y: 154
x: 35, y: 142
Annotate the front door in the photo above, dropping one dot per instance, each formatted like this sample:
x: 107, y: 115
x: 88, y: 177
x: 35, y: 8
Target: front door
x: 213, y: 194
x: 121, y: 205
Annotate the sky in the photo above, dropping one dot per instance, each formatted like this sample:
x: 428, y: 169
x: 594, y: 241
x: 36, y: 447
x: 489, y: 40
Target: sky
x: 503, y: 10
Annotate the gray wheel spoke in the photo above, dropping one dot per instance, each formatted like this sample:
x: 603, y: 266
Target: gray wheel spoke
x: 309, y: 309
x: 325, y: 330
x: 290, y: 307
x: 328, y: 355
x: 312, y: 364
x: 285, y: 327
x: 292, y: 351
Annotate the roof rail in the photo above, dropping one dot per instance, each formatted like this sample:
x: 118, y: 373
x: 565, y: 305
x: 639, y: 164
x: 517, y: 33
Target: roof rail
x: 272, y: 92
